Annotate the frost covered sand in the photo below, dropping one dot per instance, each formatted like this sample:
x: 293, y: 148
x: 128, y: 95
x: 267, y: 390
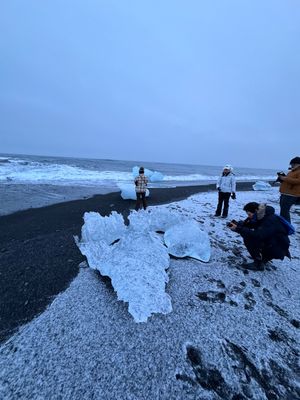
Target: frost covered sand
x: 38, y: 255
x: 231, y: 335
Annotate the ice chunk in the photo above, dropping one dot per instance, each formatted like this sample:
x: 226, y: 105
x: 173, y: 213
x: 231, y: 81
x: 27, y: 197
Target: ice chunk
x: 261, y: 185
x: 156, y: 177
x: 136, y: 265
x: 187, y: 239
x: 128, y: 191
x: 97, y: 228
x: 157, y: 219
x: 147, y: 172
x: 153, y: 176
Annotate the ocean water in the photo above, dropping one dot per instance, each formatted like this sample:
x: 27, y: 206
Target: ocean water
x: 32, y: 170
x: 36, y: 181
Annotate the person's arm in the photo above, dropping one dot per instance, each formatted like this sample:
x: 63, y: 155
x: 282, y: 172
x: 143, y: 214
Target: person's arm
x: 262, y: 233
x: 218, y: 183
x: 233, y: 184
x: 234, y: 225
x: 288, y: 179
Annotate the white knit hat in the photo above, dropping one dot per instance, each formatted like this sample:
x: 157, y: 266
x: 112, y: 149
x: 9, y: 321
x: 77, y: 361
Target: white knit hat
x: 228, y: 166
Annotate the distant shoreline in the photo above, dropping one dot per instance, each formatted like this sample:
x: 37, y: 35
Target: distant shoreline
x: 38, y: 255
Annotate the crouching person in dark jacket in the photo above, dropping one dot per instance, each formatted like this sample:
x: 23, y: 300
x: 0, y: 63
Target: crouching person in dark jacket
x: 264, y: 234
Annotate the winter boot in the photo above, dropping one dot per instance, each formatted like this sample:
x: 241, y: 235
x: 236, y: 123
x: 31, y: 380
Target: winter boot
x: 256, y: 265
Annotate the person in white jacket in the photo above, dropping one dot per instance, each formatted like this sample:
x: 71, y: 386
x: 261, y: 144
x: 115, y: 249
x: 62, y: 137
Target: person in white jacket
x: 226, y: 186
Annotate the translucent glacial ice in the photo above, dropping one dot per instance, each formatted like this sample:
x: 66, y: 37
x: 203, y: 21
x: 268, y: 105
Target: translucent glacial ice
x: 136, y: 264
x: 136, y: 258
x: 157, y: 220
x: 153, y: 176
x: 128, y: 191
x: 261, y: 185
x: 156, y: 177
x: 95, y: 225
x: 188, y: 240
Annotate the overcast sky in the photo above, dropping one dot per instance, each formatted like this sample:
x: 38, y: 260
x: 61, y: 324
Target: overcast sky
x: 203, y: 82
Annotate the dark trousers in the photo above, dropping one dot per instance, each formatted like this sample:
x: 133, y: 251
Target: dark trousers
x: 286, y: 203
x: 223, y: 199
x: 258, y: 250
x: 140, y: 198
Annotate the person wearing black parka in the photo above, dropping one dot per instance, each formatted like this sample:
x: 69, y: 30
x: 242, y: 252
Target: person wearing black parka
x: 264, y: 233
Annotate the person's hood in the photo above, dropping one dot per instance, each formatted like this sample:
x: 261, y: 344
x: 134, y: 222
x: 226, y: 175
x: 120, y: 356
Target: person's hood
x: 295, y: 168
x: 264, y: 210
x: 229, y: 167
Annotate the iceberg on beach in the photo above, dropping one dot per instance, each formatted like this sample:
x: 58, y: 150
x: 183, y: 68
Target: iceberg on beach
x: 156, y: 177
x: 135, y: 256
x: 158, y: 220
x: 136, y: 264
x: 188, y: 240
x: 95, y: 225
x: 261, y: 185
x: 128, y: 191
x: 153, y: 176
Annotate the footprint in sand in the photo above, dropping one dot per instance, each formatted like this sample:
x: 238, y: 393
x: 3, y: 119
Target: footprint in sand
x: 208, y: 378
x: 269, y: 302
x: 212, y: 297
x: 274, y: 381
x: 227, y: 296
x: 218, y: 282
x: 255, y: 283
x: 238, y: 288
x: 249, y: 305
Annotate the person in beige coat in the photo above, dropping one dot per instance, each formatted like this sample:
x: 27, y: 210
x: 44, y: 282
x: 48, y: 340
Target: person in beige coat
x: 290, y: 188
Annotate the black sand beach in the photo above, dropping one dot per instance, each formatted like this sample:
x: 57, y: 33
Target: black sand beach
x: 38, y: 255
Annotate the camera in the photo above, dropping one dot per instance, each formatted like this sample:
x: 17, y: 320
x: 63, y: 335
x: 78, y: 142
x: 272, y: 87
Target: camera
x: 279, y: 175
x: 231, y: 223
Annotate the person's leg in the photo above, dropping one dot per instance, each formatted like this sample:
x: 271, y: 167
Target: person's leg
x: 286, y: 203
x: 138, y: 201
x: 220, y: 203
x: 277, y: 250
x: 254, y: 247
x: 226, y: 197
x: 144, y: 200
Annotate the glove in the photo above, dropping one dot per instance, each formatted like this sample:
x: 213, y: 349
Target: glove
x: 233, y: 196
x: 219, y: 189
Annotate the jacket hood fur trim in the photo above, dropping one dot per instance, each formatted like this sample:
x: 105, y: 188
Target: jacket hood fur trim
x: 261, y: 212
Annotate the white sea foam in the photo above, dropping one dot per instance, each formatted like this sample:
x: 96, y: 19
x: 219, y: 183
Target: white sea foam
x: 200, y: 177
x: 28, y: 171
x: 21, y: 171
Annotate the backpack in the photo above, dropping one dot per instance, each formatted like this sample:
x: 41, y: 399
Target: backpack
x: 288, y: 226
